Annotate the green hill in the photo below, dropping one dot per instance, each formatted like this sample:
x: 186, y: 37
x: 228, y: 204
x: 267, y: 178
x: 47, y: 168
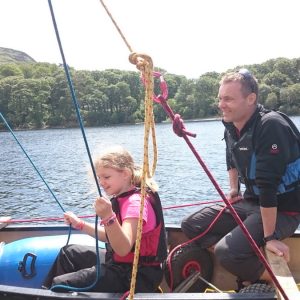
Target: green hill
x: 11, y: 56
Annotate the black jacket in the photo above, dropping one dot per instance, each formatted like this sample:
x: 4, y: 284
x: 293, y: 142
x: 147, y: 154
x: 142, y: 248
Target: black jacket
x: 267, y: 146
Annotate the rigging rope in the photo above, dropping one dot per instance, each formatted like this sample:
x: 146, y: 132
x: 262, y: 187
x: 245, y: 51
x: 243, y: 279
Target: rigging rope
x: 75, y: 102
x: 32, y: 163
x: 50, y: 219
x: 116, y: 25
x: 73, y: 95
x: 145, y: 65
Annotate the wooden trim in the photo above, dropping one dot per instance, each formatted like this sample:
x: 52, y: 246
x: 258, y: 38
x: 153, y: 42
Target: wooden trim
x: 284, y: 276
x: 3, y: 221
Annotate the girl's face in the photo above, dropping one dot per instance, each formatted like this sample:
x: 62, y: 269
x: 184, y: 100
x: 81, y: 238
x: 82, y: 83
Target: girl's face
x: 114, y: 182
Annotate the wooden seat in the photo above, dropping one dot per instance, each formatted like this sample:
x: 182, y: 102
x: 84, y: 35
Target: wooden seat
x: 3, y: 221
x: 284, y: 276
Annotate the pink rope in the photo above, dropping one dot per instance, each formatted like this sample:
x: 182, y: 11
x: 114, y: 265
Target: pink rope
x: 40, y: 219
x: 124, y: 296
x: 49, y: 219
x: 169, y: 258
x: 191, y: 204
x: 163, y: 87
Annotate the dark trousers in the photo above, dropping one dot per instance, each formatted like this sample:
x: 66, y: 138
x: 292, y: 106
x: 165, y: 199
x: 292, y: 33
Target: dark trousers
x: 75, y: 266
x: 232, y: 247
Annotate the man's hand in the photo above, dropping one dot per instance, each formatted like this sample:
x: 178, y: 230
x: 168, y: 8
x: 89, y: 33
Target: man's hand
x: 279, y: 248
x: 234, y: 195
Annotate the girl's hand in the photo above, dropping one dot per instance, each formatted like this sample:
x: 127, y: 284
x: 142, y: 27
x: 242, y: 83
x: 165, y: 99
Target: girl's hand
x: 103, y: 207
x: 72, y: 219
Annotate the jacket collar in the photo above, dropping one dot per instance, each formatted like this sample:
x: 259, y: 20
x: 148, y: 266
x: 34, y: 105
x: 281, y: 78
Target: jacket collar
x: 259, y: 111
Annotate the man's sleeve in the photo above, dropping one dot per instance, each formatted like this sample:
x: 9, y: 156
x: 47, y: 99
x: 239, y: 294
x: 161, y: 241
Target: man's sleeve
x: 229, y: 161
x: 272, y: 148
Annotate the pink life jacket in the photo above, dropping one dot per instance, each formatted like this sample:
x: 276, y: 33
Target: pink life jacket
x: 153, y: 248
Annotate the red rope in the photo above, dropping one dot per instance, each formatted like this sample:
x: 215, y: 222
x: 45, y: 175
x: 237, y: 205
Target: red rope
x: 49, y: 219
x: 191, y: 204
x: 169, y: 258
x: 40, y: 219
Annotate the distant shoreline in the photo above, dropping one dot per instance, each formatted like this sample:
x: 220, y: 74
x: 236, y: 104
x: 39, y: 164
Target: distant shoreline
x: 197, y: 120
x: 72, y: 127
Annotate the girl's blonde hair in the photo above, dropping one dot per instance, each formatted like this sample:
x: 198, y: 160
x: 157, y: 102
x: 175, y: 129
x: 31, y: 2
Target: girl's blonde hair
x: 120, y: 159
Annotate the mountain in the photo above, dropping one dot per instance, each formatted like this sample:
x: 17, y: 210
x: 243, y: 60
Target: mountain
x: 11, y: 56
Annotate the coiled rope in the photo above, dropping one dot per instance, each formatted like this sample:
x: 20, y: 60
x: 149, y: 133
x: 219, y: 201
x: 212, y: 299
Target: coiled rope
x: 144, y: 64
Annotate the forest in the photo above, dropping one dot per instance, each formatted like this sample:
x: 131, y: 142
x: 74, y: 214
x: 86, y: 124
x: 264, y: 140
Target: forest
x: 36, y: 95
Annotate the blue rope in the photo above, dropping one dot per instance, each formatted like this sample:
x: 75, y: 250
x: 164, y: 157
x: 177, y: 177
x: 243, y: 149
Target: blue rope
x: 11, y: 131
x: 75, y: 102
x: 43, y: 179
x: 73, y: 95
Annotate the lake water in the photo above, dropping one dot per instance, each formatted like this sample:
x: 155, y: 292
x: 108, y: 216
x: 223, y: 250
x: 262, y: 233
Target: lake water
x: 61, y: 158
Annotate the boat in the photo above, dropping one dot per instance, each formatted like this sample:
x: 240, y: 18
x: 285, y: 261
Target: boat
x: 28, y: 251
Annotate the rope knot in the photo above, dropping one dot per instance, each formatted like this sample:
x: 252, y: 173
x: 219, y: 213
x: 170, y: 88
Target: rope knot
x: 179, y: 128
x: 178, y: 125
x: 141, y: 61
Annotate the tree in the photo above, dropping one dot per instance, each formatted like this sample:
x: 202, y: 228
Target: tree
x: 290, y: 97
x: 287, y: 67
x: 183, y: 103
x: 6, y: 88
x: 264, y: 91
x: 10, y: 70
x: 277, y: 78
x: 206, y: 89
x: 38, y: 94
x: 27, y: 106
x: 272, y: 101
x: 61, y: 107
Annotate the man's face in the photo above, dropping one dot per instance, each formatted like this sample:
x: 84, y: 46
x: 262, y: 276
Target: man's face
x: 235, y: 106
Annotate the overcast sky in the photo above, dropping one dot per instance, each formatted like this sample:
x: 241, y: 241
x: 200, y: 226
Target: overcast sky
x: 184, y: 37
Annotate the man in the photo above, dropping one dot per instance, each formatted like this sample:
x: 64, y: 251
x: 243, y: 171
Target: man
x: 263, y: 153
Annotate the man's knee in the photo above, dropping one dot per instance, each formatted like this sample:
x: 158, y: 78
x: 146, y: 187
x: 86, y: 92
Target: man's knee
x: 224, y: 255
x: 187, y: 227
x: 239, y: 264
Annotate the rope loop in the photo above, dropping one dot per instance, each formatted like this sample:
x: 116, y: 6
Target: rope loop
x: 163, y: 88
x: 141, y: 61
x: 162, y: 85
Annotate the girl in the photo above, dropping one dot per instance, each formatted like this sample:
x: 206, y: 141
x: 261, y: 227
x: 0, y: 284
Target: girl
x: 75, y: 265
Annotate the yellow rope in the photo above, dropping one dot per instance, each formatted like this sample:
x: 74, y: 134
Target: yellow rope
x: 143, y: 63
x: 116, y: 25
